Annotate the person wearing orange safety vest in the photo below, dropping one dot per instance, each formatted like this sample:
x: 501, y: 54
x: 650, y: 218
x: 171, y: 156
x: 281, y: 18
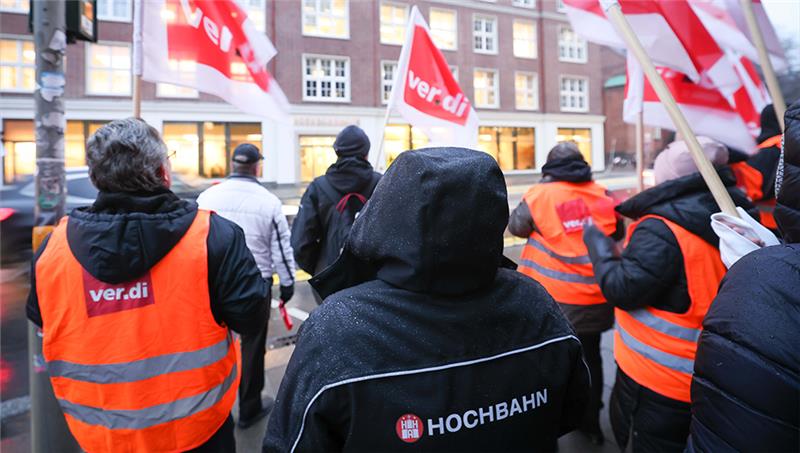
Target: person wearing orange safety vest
x: 755, y: 175
x: 661, y: 286
x: 551, y: 216
x: 135, y: 296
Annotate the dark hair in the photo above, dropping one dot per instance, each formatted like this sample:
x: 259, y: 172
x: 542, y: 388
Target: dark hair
x: 562, y: 150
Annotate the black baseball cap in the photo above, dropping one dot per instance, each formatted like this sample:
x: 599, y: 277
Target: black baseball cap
x: 247, y: 153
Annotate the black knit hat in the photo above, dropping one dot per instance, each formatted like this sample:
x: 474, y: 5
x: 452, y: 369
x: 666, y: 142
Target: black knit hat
x: 351, y: 141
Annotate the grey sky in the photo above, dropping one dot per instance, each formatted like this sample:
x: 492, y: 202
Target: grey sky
x: 785, y: 17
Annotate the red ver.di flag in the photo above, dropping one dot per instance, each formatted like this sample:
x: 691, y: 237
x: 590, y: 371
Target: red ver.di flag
x: 212, y: 46
x: 426, y: 94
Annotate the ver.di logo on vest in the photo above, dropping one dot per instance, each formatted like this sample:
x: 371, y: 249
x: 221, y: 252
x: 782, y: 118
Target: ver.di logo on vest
x: 104, y: 298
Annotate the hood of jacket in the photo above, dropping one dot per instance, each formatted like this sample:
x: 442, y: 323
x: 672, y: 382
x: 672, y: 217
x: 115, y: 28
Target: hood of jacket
x: 687, y: 202
x: 350, y: 174
x: 122, y: 235
x: 569, y: 169
x: 787, y: 209
x: 434, y: 224
x: 769, y: 124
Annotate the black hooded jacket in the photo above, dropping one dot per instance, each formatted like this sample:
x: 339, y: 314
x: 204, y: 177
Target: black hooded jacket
x: 427, y: 343
x: 121, y: 236
x: 746, y: 384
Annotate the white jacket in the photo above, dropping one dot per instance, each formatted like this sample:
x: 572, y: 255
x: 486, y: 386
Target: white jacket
x: 257, y: 211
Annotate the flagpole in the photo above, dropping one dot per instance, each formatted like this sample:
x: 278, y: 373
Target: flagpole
x: 136, y: 68
x: 640, y: 151
x: 763, y: 57
x: 721, y: 196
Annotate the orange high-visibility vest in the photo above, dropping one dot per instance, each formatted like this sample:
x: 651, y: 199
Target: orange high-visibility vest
x: 657, y: 348
x: 141, y: 365
x: 555, y: 254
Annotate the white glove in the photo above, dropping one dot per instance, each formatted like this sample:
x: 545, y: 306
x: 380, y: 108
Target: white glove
x: 740, y: 236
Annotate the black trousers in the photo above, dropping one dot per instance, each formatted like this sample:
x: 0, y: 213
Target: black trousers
x: 253, y: 349
x: 650, y: 421
x: 221, y: 442
x: 591, y: 352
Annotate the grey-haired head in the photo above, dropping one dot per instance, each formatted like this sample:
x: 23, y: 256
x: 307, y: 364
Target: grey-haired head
x: 127, y: 156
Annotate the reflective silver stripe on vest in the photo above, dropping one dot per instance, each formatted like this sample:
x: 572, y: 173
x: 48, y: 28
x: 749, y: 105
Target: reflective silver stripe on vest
x: 664, y: 326
x: 118, y: 373
x: 674, y: 362
x: 583, y: 259
x: 149, y: 416
x: 558, y: 275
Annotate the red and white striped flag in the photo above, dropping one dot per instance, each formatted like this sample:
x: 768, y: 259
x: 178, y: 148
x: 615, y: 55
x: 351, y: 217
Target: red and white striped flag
x: 212, y: 46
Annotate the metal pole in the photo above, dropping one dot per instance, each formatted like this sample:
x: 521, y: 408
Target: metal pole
x: 714, y: 183
x: 763, y: 57
x: 640, y: 151
x: 49, y: 430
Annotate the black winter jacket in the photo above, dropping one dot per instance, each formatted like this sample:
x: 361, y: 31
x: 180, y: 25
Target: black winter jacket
x: 429, y: 344
x: 121, y: 236
x: 746, y: 385
x: 314, y: 249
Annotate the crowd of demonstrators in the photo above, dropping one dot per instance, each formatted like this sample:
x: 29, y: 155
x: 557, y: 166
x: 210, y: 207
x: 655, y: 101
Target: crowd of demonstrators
x: 550, y: 216
x: 426, y: 336
x: 243, y: 200
x: 135, y: 295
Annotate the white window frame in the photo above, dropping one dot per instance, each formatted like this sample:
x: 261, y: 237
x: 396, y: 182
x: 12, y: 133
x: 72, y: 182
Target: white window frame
x: 535, y: 39
x: 534, y: 93
x: 127, y: 19
x: 483, y: 34
x: 384, y: 83
x: 322, y: 35
x: 455, y: 31
x: 18, y: 10
x: 561, y: 93
x: 263, y: 11
x: 496, y: 88
x: 88, y: 68
x: 407, y: 10
x: 18, y: 40
x: 560, y: 7
x: 348, y: 79
x: 530, y: 4
x: 580, y: 43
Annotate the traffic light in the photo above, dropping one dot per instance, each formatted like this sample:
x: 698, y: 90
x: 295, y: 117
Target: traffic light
x: 81, y: 20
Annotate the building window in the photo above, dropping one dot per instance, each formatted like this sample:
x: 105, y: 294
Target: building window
x: 326, y: 18
x: 316, y: 155
x: 560, y: 6
x: 399, y: 138
x: 204, y: 149
x: 186, y: 70
x: 571, y: 47
x: 574, y: 94
x: 326, y: 79
x: 114, y: 10
x: 524, y: 39
x: 525, y: 88
x: 17, y: 65
x: 484, y: 33
x: 525, y: 3
x: 108, y: 70
x: 388, y: 71
x: 485, y: 85
x: 15, y: 6
x: 512, y: 147
x: 393, y: 23
x: 256, y: 12
x: 444, y: 28
x: 581, y: 137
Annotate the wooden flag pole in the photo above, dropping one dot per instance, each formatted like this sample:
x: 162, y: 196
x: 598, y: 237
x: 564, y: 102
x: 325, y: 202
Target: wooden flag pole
x: 640, y: 151
x: 136, y: 67
x: 714, y: 183
x: 137, y: 96
x: 763, y: 57
x: 380, y: 161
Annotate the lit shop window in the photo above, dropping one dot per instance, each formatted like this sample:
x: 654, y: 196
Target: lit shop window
x: 571, y: 47
x: 485, y: 85
x: 524, y: 39
x: 316, y: 155
x: 388, y: 70
x: 114, y: 10
x: 17, y: 65
x: 574, y: 94
x: 581, y: 137
x: 484, y: 34
x: 186, y: 70
x: 256, y: 12
x: 14, y: 6
x: 512, y: 147
x: 444, y: 28
x: 204, y: 149
x: 393, y: 22
x: 400, y: 138
x: 326, y: 79
x: 526, y: 91
x: 326, y: 18
x: 108, y: 70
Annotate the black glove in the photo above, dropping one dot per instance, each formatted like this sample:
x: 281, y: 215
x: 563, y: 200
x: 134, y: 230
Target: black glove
x: 599, y: 245
x: 287, y: 292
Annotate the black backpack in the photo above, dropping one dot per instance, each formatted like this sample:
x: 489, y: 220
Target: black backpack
x: 341, y: 215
